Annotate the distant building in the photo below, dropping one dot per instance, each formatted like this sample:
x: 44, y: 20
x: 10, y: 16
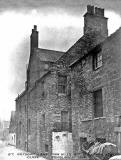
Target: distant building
x: 12, y: 129
x: 5, y: 124
x: 72, y: 96
x: 4, y: 130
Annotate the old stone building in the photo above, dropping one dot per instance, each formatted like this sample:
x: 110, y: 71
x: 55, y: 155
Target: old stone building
x: 12, y: 129
x: 73, y: 96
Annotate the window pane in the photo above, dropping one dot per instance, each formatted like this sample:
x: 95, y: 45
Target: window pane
x: 46, y: 148
x: 97, y: 60
x: 64, y: 120
x: 62, y: 82
x: 98, y: 106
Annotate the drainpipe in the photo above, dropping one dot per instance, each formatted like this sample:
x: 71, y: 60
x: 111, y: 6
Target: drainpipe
x: 27, y: 117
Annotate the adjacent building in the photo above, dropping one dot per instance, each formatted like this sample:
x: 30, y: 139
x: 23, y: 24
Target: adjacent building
x: 74, y: 96
x: 4, y: 130
x: 12, y: 129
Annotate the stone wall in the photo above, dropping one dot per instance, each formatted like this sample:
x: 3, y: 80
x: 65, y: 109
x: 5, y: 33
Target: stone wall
x: 86, y: 80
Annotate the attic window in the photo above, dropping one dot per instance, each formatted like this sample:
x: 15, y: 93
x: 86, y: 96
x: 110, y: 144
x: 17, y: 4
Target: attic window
x: 97, y: 57
x: 97, y: 60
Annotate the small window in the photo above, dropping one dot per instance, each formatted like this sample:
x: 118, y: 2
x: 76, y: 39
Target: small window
x: 19, y: 142
x: 62, y: 83
x: 64, y: 120
x: 43, y: 94
x: 29, y: 126
x: 26, y: 146
x: 98, y: 105
x: 97, y: 60
x: 46, y: 148
x: 25, y: 108
x: 43, y: 119
x: 20, y: 108
x: 14, y: 138
x: 20, y: 127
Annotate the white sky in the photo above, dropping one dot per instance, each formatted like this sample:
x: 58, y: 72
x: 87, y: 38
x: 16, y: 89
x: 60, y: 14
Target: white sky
x: 16, y: 27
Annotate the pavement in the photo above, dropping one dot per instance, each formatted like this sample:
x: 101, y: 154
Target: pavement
x: 8, y: 152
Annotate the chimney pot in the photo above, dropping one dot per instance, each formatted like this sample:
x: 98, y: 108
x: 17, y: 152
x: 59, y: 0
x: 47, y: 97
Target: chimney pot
x: 99, y: 11
x: 90, y: 9
x: 34, y: 39
x: 35, y: 27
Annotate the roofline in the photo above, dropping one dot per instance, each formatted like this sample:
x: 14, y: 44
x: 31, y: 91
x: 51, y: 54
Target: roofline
x: 36, y: 82
x: 22, y: 94
x: 86, y: 55
x: 49, y: 50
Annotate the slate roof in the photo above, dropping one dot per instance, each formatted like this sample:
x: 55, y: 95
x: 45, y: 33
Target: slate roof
x: 48, y: 55
x: 82, y: 47
x: 88, y: 44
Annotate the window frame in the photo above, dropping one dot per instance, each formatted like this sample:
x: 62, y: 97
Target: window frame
x: 98, y: 112
x: 46, y: 148
x: 97, y: 61
x: 20, y: 128
x: 62, y: 85
x: 25, y: 108
x: 43, y: 120
x: 64, y: 122
x: 97, y: 57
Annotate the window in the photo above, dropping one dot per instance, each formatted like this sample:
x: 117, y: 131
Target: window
x: 25, y: 108
x: 46, y: 147
x: 14, y: 139
x: 62, y: 83
x: 20, y: 108
x: 64, y: 120
x: 43, y: 93
x: 26, y: 146
x: 19, y: 142
x: 43, y: 119
x: 97, y: 60
x: 98, y: 105
x: 29, y: 126
x: 20, y: 128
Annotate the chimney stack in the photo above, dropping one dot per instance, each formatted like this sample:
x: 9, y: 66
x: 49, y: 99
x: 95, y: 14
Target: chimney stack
x: 34, y: 39
x: 94, y: 20
x: 90, y: 9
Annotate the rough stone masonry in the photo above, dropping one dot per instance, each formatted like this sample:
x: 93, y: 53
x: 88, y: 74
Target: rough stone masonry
x: 78, y: 91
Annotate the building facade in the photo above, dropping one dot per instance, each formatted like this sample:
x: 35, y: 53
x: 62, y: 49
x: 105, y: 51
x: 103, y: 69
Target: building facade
x: 74, y: 96
x: 12, y: 129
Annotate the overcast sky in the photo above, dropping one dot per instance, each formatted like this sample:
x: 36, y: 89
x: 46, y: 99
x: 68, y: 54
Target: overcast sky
x: 60, y: 24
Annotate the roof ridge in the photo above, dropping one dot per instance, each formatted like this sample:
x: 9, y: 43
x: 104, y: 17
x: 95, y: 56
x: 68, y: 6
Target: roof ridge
x: 49, y: 50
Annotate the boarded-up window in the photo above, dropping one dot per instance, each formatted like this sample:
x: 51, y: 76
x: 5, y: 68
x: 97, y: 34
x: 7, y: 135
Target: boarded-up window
x: 98, y: 105
x: 64, y: 120
x: 62, y: 83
